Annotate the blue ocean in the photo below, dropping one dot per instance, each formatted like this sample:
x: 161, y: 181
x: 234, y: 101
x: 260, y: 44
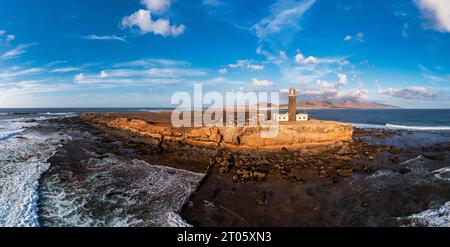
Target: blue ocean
x: 410, y: 119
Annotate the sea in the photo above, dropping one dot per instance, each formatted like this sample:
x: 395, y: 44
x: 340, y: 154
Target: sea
x: 24, y: 155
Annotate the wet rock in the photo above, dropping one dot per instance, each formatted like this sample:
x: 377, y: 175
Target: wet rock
x: 437, y: 157
x: 259, y: 200
x: 310, y: 192
x: 405, y: 170
x: 223, y: 171
x: 323, y: 174
x: 345, y: 150
x: 345, y: 172
x: 259, y: 176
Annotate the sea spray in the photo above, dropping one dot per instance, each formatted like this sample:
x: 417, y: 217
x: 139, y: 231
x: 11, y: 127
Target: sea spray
x: 112, y: 191
x: 22, y: 162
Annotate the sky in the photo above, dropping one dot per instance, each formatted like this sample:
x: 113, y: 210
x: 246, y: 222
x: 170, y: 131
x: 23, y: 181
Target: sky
x: 138, y: 53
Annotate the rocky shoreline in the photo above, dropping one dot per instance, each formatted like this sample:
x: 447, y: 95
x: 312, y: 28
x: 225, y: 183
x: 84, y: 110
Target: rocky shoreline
x: 371, y: 181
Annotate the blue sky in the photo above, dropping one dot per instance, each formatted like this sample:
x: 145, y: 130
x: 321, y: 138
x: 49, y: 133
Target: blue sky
x: 137, y: 53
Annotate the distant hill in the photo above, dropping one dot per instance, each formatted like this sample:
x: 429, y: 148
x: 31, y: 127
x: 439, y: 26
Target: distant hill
x: 349, y: 104
x: 323, y: 104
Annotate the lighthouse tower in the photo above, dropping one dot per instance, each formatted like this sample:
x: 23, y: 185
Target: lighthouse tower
x: 292, y: 105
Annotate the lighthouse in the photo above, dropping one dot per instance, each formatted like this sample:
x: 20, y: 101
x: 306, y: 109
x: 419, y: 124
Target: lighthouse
x: 292, y: 107
x: 291, y: 115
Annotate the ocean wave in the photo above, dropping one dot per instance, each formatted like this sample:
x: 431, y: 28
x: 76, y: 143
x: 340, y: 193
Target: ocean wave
x: 59, y: 113
x: 431, y: 218
x: 22, y: 163
x: 9, y: 133
x: 114, y: 192
x: 442, y: 174
x: 368, y: 126
x: 150, y: 110
x: 401, y: 127
x: 419, y: 128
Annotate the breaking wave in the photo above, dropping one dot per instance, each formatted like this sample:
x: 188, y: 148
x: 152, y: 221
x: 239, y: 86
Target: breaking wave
x: 401, y: 127
x: 368, y: 126
x: 419, y: 128
x: 112, y: 192
x: 22, y: 161
x: 439, y: 217
x: 442, y: 174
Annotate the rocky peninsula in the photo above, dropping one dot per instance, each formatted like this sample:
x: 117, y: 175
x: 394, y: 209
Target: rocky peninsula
x: 356, y: 178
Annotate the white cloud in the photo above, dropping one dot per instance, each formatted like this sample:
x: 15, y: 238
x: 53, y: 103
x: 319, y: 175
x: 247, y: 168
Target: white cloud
x: 139, y: 72
x: 103, y: 74
x: 284, y: 14
x: 32, y: 87
x: 143, y: 20
x: 311, y: 60
x: 80, y: 77
x: 10, y: 37
x: 19, y: 72
x: 342, y: 78
x: 414, y: 92
x: 249, y: 65
x: 6, y: 37
x: 65, y: 70
x: 16, y: 52
x: 300, y: 59
x: 405, y: 30
x: 332, y: 91
x: 359, y: 37
x: 283, y: 55
x: 262, y: 83
x: 151, y: 62
x: 157, y: 6
x: 107, y: 37
x: 223, y: 71
x: 437, y: 12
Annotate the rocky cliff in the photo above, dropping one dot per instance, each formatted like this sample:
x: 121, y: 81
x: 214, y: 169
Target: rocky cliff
x: 289, y: 136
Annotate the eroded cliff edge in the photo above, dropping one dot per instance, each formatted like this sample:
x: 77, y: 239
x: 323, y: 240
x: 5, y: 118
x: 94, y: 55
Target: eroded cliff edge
x: 242, y: 169
x: 288, y: 136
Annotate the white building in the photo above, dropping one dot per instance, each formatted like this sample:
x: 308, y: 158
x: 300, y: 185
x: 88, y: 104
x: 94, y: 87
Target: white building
x: 303, y: 117
x: 285, y: 117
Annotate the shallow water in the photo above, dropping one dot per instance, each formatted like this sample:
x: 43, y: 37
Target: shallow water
x: 108, y: 191
x: 115, y: 192
x: 22, y: 162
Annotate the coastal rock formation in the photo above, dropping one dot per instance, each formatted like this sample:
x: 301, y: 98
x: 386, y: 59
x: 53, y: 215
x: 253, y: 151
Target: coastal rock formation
x: 289, y: 136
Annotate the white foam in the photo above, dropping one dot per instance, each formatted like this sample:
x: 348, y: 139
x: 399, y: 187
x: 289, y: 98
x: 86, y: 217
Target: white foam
x: 401, y: 127
x: 9, y: 133
x: 22, y: 161
x: 61, y: 113
x: 418, y: 158
x: 432, y: 218
x: 125, y: 193
x: 418, y: 128
x: 151, y: 110
x: 368, y: 126
x: 442, y: 174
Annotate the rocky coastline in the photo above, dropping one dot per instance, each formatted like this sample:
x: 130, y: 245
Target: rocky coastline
x: 371, y: 180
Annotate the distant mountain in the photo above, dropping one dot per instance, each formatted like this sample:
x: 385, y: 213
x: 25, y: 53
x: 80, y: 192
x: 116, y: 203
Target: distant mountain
x: 349, y: 104
x: 321, y: 104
